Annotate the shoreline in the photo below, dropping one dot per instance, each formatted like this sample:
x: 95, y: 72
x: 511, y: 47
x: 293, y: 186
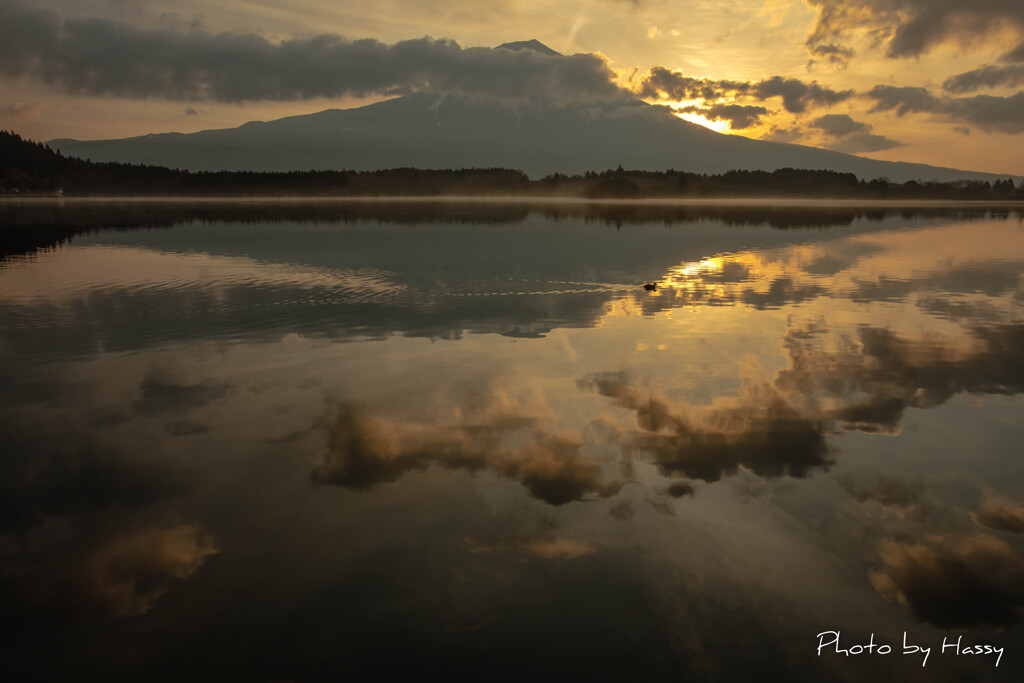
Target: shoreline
x: 754, y: 201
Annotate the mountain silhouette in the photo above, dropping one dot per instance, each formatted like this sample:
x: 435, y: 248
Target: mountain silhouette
x: 433, y: 129
x: 534, y: 45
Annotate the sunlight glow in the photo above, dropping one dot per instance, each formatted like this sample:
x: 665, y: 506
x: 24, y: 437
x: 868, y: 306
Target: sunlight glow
x: 717, y: 126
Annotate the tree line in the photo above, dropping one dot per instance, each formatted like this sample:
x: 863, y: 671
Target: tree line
x: 32, y: 167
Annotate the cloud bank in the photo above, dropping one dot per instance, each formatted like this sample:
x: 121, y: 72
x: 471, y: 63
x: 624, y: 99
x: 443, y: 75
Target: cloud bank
x: 910, y: 28
x: 848, y: 135
x: 988, y: 112
x: 796, y: 95
x: 989, y: 76
x: 739, y: 116
x: 101, y: 57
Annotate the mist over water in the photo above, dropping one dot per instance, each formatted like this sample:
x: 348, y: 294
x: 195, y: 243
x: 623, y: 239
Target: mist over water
x: 311, y: 440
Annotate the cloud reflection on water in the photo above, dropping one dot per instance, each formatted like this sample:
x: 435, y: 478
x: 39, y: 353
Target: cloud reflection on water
x: 555, y: 466
x: 999, y: 513
x: 84, y: 530
x: 771, y: 430
x: 784, y: 425
x: 953, y: 581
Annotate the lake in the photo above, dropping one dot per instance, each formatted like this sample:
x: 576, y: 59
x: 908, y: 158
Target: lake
x: 323, y: 440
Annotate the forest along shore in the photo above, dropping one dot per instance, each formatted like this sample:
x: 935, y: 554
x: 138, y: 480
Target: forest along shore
x: 32, y: 169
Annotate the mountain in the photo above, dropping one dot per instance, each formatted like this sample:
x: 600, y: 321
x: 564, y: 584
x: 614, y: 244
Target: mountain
x: 534, y: 45
x: 446, y: 130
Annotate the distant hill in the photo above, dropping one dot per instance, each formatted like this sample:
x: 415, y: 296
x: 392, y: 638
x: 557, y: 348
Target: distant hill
x: 27, y: 166
x: 443, y: 130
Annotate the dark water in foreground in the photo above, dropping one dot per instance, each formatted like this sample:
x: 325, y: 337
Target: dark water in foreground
x: 334, y: 441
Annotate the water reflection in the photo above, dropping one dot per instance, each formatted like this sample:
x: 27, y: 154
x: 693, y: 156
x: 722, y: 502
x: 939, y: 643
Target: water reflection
x: 293, y: 446
x: 762, y: 433
x: 91, y: 536
x: 31, y: 225
x: 954, y: 581
x: 363, y: 451
x: 890, y: 374
x: 999, y: 513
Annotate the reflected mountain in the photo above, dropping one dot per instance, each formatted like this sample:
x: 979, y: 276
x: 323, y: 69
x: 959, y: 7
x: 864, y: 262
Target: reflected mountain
x: 509, y: 270
x: 44, y: 224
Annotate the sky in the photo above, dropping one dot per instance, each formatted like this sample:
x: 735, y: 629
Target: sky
x: 930, y: 81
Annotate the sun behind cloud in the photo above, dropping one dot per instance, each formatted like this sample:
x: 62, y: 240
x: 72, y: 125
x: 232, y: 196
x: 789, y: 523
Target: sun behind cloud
x: 717, y: 126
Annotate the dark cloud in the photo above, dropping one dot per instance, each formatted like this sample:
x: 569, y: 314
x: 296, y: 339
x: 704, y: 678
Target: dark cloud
x: 679, y: 489
x: 739, y: 116
x: 954, y: 581
x: 863, y: 142
x: 838, y: 125
x: 988, y: 76
x: 672, y: 85
x: 851, y: 136
x: 1015, y: 55
x: 764, y: 434
x: 904, y: 100
x: 103, y: 57
x: 999, y: 513
x: 1000, y: 114
x: 777, y: 134
x: 661, y: 83
x: 909, y: 28
x: 364, y: 451
x: 797, y: 95
x: 831, y: 54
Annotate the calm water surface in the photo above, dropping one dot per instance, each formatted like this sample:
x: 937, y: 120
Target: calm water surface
x: 320, y: 441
